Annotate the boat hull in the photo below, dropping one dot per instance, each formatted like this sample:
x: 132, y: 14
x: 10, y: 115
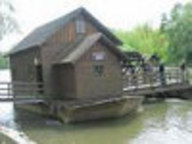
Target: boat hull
x: 112, y: 108
x: 79, y: 111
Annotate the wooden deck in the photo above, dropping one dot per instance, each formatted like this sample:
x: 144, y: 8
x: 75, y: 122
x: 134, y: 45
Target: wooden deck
x: 172, y: 88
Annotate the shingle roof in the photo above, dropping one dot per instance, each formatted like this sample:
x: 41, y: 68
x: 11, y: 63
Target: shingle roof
x: 84, y: 45
x: 41, y: 34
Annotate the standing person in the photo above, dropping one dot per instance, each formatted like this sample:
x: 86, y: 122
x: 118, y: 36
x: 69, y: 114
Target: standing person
x: 133, y: 76
x: 183, y: 72
x: 162, y: 74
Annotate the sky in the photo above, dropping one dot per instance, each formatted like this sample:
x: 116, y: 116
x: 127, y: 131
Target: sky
x: 117, y: 14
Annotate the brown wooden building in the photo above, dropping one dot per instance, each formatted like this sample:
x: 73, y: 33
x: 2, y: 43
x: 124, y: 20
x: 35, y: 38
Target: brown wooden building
x: 74, y: 56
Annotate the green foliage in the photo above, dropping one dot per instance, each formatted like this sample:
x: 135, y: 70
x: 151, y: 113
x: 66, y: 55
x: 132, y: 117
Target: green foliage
x: 172, y: 41
x: 145, y: 40
x: 177, y: 26
x: 3, y: 61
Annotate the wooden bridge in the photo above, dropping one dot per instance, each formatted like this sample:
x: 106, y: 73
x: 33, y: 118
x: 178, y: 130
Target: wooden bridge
x: 172, y: 83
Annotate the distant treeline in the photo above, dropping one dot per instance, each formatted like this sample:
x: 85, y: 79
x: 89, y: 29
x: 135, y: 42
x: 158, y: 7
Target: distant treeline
x: 172, y: 41
x: 3, y: 61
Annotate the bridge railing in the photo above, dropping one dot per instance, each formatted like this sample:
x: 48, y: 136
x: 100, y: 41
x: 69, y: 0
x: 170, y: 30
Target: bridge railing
x: 20, y: 90
x: 154, y: 79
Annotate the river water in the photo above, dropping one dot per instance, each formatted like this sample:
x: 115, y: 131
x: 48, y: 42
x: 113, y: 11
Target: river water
x: 168, y: 122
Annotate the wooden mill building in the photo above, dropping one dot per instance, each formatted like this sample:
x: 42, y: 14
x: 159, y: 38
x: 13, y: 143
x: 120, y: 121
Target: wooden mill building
x: 75, y: 57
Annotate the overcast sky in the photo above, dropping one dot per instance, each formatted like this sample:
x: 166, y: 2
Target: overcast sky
x: 118, y: 14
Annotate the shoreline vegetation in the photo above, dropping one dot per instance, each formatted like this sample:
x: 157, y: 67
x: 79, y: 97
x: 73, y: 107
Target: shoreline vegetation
x: 4, y: 61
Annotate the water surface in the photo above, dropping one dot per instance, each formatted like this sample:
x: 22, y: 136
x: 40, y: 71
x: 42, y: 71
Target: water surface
x: 167, y: 122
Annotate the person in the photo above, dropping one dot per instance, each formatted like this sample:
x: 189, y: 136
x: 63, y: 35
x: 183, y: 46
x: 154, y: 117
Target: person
x: 183, y: 72
x: 133, y: 76
x: 162, y: 74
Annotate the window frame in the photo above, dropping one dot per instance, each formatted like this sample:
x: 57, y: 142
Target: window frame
x: 80, y: 26
x: 98, y: 70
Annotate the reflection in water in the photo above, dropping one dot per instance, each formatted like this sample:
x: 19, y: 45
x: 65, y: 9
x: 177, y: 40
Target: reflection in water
x: 168, y: 122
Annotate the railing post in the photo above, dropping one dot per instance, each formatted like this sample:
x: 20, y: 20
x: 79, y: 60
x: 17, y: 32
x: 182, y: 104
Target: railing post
x: 187, y: 76
x: 179, y: 76
x: 13, y: 91
x: 8, y: 92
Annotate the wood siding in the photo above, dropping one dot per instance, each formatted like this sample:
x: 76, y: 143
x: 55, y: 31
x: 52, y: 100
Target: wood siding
x: 22, y: 65
x: 90, y: 85
x: 50, y: 50
x: 23, y: 69
x: 65, y: 35
x: 68, y: 33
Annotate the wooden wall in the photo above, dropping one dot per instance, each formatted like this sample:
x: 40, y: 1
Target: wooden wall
x: 22, y: 65
x: 90, y: 85
x: 23, y: 69
x: 50, y: 51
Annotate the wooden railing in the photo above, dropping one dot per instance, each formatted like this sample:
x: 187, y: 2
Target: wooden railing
x: 155, y: 79
x: 20, y: 90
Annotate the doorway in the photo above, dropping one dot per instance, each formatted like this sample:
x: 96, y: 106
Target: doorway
x: 39, y: 78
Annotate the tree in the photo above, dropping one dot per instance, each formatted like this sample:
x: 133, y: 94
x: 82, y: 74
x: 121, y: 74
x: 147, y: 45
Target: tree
x: 178, y: 29
x: 7, y: 22
x: 145, y: 40
x: 7, y: 25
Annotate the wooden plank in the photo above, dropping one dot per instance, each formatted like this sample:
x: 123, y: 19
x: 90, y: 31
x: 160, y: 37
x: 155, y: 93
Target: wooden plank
x: 154, y: 90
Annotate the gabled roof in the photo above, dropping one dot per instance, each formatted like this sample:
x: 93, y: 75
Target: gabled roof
x: 41, y: 34
x: 84, y: 45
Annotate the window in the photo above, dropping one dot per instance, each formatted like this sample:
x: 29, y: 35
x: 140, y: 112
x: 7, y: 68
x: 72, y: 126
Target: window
x: 98, y: 70
x: 80, y: 26
x: 98, y: 56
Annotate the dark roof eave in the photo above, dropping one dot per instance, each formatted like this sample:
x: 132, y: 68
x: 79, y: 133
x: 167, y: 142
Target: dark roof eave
x: 114, y: 48
x: 22, y: 50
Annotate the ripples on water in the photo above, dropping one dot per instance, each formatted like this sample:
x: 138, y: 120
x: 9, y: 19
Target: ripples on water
x: 174, y: 126
x: 168, y: 122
